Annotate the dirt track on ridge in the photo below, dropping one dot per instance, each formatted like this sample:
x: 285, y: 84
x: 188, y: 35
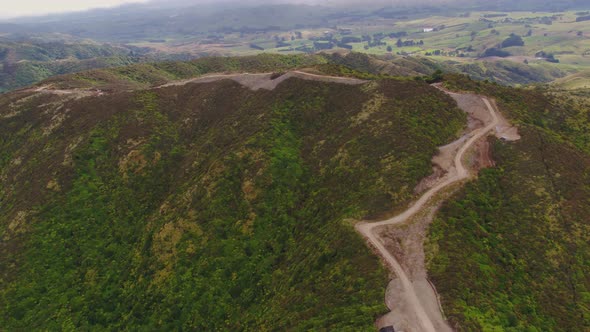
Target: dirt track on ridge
x: 254, y: 82
x: 265, y: 81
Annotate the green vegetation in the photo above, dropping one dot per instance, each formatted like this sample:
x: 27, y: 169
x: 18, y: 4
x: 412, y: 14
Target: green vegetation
x: 457, y: 39
x: 561, y: 114
x: 31, y: 50
x: 24, y: 62
x: 513, y: 40
x: 576, y: 81
x: 496, y: 52
x: 210, y: 206
x: 537, y: 46
x: 146, y: 75
x: 26, y: 73
x: 510, y: 251
x: 509, y: 72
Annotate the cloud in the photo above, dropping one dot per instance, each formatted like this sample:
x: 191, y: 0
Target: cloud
x: 38, y: 7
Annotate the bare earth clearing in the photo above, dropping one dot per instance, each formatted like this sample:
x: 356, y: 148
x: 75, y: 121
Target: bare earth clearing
x: 412, y: 299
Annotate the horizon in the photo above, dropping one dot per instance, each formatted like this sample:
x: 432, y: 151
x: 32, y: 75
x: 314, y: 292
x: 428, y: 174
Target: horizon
x: 31, y: 8
x: 36, y: 8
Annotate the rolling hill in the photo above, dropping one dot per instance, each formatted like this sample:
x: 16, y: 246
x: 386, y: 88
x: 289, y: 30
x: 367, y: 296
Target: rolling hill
x: 206, y: 206
x: 222, y: 193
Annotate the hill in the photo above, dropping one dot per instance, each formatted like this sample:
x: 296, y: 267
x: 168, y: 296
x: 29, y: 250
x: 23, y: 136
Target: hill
x: 222, y: 193
x: 206, y: 206
x: 579, y: 80
x: 24, y: 61
x: 133, y: 67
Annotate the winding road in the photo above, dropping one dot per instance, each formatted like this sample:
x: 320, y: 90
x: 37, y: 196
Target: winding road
x: 425, y: 322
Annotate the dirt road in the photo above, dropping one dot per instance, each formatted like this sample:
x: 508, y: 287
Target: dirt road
x: 265, y: 81
x: 424, y: 313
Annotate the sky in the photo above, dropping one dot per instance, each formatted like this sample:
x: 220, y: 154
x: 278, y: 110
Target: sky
x: 13, y: 8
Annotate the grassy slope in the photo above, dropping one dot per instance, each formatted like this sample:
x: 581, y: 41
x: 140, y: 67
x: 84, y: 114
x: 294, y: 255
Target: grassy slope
x: 508, y: 72
x: 207, y: 206
x: 510, y: 252
x: 579, y: 80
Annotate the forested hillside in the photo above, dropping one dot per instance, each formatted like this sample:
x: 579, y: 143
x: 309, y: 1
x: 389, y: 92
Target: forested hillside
x: 511, y: 251
x: 205, y: 206
x: 295, y: 165
x: 24, y: 62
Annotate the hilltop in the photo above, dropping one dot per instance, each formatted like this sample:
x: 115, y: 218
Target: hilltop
x: 206, y: 205
x: 223, y: 193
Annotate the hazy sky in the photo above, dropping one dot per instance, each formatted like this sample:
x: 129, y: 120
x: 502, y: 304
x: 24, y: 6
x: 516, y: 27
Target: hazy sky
x: 11, y: 8
x: 14, y: 8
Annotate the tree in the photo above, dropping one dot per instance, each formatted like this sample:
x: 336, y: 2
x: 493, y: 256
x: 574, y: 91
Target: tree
x: 496, y: 52
x: 399, y: 43
x: 389, y: 48
x: 513, y: 40
x: 349, y: 39
x: 436, y: 77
